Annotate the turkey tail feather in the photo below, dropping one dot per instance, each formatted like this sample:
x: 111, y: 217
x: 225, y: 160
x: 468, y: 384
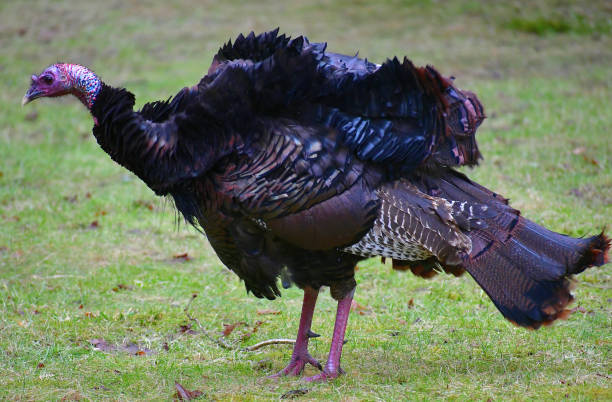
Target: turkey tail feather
x: 528, y: 278
x: 523, y: 267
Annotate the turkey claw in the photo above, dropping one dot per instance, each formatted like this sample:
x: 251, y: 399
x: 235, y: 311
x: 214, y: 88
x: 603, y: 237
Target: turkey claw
x: 296, y: 366
x: 325, y: 375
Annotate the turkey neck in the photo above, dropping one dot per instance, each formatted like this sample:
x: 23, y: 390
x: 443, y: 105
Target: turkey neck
x: 165, y: 145
x: 126, y: 137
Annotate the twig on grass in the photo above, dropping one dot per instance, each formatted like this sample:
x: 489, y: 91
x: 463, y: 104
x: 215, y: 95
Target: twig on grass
x: 206, y: 332
x: 269, y: 342
x: 219, y: 341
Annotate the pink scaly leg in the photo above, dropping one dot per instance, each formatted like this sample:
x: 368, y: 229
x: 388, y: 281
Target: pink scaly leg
x: 300, y: 355
x: 332, y: 367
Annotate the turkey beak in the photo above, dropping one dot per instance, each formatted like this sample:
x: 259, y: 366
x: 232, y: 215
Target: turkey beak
x: 32, y: 93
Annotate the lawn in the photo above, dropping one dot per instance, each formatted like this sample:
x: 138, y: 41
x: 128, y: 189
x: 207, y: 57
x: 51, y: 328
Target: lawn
x: 95, y: 271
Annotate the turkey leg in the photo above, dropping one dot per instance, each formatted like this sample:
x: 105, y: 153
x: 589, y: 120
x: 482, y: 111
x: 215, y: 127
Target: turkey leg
x: 332, y: 367
x: 300, y: 355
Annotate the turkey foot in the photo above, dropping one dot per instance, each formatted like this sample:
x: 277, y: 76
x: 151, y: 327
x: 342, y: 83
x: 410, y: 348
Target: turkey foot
x: 297, y: 364
x: 332, y: 367
x: 300, y: 355
x: 325, y: 374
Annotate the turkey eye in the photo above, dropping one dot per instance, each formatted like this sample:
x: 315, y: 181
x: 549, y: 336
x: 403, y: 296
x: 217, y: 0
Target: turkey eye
x: 47, y: 79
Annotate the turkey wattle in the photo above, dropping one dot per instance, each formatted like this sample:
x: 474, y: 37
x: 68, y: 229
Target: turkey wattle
x: 298, y: 162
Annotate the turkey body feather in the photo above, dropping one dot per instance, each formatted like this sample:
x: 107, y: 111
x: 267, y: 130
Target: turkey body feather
x: 296, y: 160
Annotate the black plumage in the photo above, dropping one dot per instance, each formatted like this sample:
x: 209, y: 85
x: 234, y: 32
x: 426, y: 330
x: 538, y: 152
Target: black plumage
x: 300, y: 162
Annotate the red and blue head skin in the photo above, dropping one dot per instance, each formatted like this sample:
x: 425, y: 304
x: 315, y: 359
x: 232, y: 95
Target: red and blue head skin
x: 64, y: 79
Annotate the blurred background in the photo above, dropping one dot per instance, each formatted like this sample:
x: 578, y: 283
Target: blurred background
x: 74, y: 226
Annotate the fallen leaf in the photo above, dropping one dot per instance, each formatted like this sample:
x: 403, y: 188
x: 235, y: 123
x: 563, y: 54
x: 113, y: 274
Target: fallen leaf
x: 247, y: 334
x: 182, y: 256
x: 186, y: 329
x: 411, y: 303
x: 582, y: 151
x: 294, y: 393
x: 183, y: 394
x: 266, y: 311
x: 121, y: 286
x: 590, y: 159
x: 360, y: 309
x: 145, y: 204
x: 229, y: 328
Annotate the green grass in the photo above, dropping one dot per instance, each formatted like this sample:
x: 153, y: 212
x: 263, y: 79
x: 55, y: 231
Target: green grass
x: 544, y: 78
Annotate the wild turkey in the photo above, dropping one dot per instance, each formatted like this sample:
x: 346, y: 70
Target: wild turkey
x: 298, y: 163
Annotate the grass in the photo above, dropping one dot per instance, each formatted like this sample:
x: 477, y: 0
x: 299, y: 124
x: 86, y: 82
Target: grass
x: 544, y: 78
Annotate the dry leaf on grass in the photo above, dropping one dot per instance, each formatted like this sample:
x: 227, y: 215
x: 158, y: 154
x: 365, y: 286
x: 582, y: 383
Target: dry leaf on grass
x: 187, y: 329
x: 182, y: 257
x: 183, y: 394
x: 247, y: 334
x: 582, y: 151
x: 121, y: 286
x: 229, y: 328
x: 360, y: 309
